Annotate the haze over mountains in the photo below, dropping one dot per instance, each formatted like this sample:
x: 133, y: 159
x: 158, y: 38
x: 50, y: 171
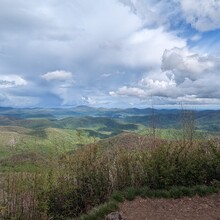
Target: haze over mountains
x: 113, y: 118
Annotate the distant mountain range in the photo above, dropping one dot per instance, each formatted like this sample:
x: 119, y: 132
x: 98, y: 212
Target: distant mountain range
x: 109, y: 119
x: 80, y: 111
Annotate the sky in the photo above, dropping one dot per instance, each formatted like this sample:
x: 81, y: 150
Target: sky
x: 109, y: 53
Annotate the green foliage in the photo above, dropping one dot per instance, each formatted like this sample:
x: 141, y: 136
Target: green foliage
x: 100, y: 212
x: 24, y: 195
x: 96, y: 172
x: 118, y: 196
x: 77, y: 179
x: 130, y: 193
x: 25, y: 149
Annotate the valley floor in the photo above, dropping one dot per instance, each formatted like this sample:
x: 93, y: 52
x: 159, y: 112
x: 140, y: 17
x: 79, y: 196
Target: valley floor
x: 195, y: 208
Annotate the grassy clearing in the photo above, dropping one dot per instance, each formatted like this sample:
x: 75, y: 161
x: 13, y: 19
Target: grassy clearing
x: 26, y: 149
x: 175, y: 134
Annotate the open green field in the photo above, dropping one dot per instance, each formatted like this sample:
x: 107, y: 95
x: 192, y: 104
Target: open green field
x: 25, y: 148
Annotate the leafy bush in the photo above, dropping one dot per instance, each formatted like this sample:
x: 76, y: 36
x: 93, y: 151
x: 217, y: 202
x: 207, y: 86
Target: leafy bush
x: 94, y: 173
x: 80, y: 181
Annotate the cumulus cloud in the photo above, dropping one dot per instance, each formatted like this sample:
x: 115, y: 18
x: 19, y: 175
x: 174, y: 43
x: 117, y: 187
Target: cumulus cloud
x: 145, y: 10
x: 144, y: 48
x: 184, y: 77
x: 148, y: 87
x: 203, y: 15
x: 107, y: 45
x: 60, y: 83
x: 150, y: 11
x: 89, y: 100
x: 157, y: 84
x: 129, y: 91
x: 182, y: 64
x: 9, y: 81
x: 158, y: 87
x: 58, y: 75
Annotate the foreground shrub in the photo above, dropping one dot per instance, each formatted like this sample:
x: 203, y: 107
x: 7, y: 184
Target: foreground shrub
x: 94, y: 173
x: 23, y: 196
x: 76, y: 183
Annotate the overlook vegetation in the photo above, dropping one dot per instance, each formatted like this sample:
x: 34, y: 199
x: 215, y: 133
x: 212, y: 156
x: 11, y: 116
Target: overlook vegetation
x: 62, y: 167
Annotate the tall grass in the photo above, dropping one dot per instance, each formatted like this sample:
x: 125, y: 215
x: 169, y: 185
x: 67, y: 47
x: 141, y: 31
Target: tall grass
x: 93, y: 173
x: 77, y: 182
x: 23, y: 196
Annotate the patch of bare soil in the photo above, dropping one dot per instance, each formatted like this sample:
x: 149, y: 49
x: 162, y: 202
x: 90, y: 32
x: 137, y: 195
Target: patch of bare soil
x: 195, y: 208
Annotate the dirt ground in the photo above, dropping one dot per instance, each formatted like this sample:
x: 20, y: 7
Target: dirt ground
x: 195, y: 208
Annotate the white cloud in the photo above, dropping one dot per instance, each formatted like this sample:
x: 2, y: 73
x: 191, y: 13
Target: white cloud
x: 157, y: 84
x: 60, y: 83
x: 196, y: 37
x: 158, y: 87
x: 89, y: 100
x: 185, y: 77
x: 10, y: 81
x: 203, y: 15
x: 88, y: 39
x: 129, y: 91
x: 106, y: 75
x: 144, y: 10
x: 154, y: 13
x: 193, y: 100
x: 182, y: 64
x: 58, y: 75
x: 143, y: 48
x: 95, y: 40
x: 148, y: 87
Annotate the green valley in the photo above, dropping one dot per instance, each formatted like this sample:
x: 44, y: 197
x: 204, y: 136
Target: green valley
x: 78, y: 157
